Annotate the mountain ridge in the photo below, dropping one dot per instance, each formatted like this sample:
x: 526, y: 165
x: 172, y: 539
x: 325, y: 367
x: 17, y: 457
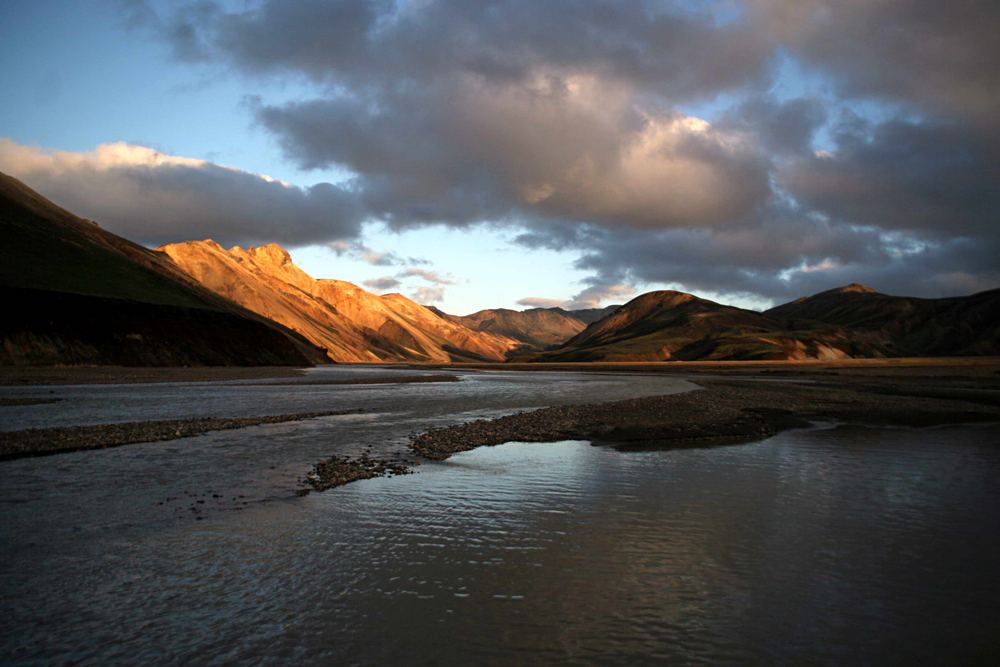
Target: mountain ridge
x: 352, y: 324
x: 534, y: 328
x: 845, y: 322
x: 78, y: 294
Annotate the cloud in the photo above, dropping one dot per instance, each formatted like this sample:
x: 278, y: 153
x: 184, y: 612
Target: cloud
x: 540, y: 302
x: 157, y: 198
x: 928, y: 177
x: 594, y: 296
x: 599, y: 294
x: 935, y: 55
x: 554, y: 146
x: 383, y: 284
x: 834, y: 149
x: 782, y: 127
x: 180, y: 29
x: 361, y: 44
x: 429, y: 276
x: 458, y: 112
x: 787, y: 254
x: 426, y: 294
x: 360, y: 251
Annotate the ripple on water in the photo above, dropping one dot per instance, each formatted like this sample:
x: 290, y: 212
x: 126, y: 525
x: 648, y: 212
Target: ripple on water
x: 830, y: 545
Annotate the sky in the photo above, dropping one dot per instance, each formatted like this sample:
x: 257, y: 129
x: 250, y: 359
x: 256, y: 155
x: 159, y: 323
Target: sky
x: 521, y: 153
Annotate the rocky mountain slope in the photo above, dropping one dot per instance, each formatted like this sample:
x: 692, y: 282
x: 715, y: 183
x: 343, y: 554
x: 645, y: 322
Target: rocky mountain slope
x: 76, y: 294
x: 537, y: 327
x: 353, y: 325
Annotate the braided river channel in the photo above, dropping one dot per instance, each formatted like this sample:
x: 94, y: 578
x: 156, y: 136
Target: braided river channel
x: 836, y: 544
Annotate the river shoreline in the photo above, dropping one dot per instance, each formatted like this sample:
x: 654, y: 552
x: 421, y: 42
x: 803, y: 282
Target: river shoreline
x: 730, y: 410
x: 63, y: 439
x: 951, y: 367
x: 732, y: 404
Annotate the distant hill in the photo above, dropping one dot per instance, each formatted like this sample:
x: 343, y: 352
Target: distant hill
x: 534, y: 328
x: 591, y: 315
x: 352, y: 324
x: 849, y: 322
x: 77, y: 294
x: 904, y: 326
x: 665, y: 325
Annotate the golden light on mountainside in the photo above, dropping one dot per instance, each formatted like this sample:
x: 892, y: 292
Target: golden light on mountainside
x: 352, y: 324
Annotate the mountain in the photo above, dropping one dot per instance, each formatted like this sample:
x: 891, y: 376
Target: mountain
x: 534, y: 328
x: 591, y: 315
x: 537, y: 327
x: 904, y: 326
x: 849, y: 322
x: 667, y: 325
x: 74, y: 293
x: 353, y: 325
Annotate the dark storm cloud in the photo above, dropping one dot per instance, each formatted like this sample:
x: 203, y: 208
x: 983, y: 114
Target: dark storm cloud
x: 940, y: 55
x: 564, y: 119
x: 781, y: 127
x: 937, y: 179
x: 738, y: 259
x: 466, y: 153
x: 786, y: 257
x: 460, y: 112
x: 378, y: 44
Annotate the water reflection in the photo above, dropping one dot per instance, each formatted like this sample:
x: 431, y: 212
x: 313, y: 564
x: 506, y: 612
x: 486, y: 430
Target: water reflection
x: 838, y: 545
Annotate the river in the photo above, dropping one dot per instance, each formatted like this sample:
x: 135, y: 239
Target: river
x: 827, y: 545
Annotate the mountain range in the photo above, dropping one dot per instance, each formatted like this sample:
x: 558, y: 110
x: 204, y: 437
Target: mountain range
x: 535, y: 327
x: 77, y: 294
x: 848, y: 322
x: 351, y: 324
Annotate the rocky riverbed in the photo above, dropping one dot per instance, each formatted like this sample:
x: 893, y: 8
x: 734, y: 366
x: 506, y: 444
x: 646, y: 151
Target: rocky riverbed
x: 43, y: 441
x: 338, y: 470
x: 727, y: 411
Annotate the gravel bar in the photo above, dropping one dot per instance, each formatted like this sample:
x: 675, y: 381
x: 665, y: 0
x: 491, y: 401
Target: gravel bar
x: 723, y: 411
x: 45, y: 441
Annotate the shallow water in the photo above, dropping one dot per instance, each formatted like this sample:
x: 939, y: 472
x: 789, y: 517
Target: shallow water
x: 832, y: 545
